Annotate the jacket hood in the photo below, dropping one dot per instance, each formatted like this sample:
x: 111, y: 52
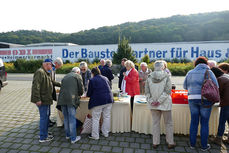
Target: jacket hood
x: 158, y: 76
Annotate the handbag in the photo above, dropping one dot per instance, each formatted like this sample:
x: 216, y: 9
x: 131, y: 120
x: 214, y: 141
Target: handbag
x: 209, y: 90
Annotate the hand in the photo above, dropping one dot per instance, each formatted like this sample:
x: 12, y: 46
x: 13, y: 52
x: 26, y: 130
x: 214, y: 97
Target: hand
x: 38, y: 103
x: 156, y: 103
x: 124, y: 73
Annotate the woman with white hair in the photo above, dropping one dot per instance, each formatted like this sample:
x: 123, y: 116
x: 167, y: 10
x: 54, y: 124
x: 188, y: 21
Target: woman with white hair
x: 85, y: 74
x: 143, y: 75
x: 157, y: 90
x: 131, y: 82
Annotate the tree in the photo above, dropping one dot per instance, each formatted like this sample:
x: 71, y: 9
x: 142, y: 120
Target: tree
x: 146, y: 59
x: 124, y: 51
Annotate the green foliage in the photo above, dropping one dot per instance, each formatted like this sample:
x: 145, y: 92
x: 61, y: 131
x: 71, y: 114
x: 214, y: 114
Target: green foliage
x: 146, y: 59
x: 22, y: 66
x: 124, y: 51
x: 96, y: 60
x: 27, y: 66
x: 195, y: 27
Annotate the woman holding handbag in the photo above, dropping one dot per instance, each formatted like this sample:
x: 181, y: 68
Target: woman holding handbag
x: 199, y: 112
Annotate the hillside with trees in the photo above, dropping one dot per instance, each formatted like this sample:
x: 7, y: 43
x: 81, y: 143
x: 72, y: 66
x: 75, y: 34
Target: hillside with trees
x: 195, y: 27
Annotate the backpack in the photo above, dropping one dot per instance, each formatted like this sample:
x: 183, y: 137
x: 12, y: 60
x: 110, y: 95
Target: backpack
x: 209, y: 90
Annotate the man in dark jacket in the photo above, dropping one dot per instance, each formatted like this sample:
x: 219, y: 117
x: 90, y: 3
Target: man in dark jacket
x: 41, y: 95
x: 123, y: 69
x: 69, y: 99
x: 107, y: 72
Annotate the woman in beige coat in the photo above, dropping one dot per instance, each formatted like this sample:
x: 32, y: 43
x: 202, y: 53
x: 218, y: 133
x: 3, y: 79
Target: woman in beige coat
x: 157, y: 90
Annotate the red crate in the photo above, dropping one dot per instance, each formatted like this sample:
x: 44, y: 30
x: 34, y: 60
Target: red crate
x: 179, y: 96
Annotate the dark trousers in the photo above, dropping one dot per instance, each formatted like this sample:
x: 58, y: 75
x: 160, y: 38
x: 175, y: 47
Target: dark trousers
x: 132, y: 104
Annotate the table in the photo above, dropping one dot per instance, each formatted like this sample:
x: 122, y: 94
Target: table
x: 120, y: 114
x: 142, y: 118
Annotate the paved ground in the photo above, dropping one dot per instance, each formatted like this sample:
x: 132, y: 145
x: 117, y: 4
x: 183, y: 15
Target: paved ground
x: 19, y: 128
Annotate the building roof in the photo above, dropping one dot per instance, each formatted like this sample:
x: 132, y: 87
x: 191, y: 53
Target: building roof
x: 9, y: 45
x: 50, y: 44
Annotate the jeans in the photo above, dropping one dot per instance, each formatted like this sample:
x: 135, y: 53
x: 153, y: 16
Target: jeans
x: 44, y: 111
x: 224, y: 116
x: 69, y: 121
x: 96, y: 114
x: 202, y: 114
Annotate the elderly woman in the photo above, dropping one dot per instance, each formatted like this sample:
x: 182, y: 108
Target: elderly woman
x: 130, y: 82
x: 199, y: 113
x: 224, y: 67
x: 101, y: 99
x: 223, y: 80
x: 85, y: 74
x: 157, y: 90
x: 143, y: 75
x: 107, y: 72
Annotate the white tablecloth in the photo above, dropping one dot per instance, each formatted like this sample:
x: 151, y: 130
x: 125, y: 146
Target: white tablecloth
x: 120, y: 115
x: 142, y: 118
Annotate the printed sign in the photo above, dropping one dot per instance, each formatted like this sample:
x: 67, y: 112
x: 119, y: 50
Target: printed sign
x: 213, y: 50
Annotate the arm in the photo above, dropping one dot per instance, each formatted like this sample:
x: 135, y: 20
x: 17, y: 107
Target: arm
x: 37, y: 79
x: 111, y: 77
x: 185, y: 84
x: 80, y: 85
x: 90, y: 89
x: 214, y: 78
x: 167, y: 91
x: 55, y: 83
x: 147, y: 91
x: 132, y: 77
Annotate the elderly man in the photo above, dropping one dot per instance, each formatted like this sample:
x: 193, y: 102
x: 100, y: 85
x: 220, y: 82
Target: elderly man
x: 143, y: 75
x: 107, y: 72
x: 85, y: 74
x: 58, y: 63
x: 42, y: 96
x: 69, y: 99
x: 102, y: 63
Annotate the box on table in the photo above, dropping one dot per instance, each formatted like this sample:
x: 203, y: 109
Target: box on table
x: 179, y: 96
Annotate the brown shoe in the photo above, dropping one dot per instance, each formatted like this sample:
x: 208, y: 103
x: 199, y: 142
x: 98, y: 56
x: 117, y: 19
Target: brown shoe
x: 155, y: 146
x: 171, y: 146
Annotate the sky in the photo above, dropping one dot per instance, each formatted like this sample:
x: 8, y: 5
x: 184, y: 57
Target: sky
x: 69, y: 16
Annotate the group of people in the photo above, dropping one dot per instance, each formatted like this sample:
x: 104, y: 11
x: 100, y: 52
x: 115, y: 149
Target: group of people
x: 156, y: 86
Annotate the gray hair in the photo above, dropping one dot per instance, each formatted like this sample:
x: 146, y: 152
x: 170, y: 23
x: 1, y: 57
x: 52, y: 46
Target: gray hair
x: 59, y: 61
x: 212, y: 63
x: 76, y: 69
x: 159, y: 65
x: 129, y: 63
x: 109, y: 63
x: 143, y: 64
x: 83, y: 64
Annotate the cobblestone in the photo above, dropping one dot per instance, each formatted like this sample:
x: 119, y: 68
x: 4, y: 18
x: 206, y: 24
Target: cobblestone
x: 19, y: 123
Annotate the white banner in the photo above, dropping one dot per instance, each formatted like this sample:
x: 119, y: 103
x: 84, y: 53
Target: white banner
x: 213, y: 50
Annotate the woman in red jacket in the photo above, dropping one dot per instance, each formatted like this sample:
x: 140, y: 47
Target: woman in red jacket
x: 132, y: 81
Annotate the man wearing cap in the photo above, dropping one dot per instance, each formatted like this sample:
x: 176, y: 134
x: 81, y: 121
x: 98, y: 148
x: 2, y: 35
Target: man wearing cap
x: 41, y: 95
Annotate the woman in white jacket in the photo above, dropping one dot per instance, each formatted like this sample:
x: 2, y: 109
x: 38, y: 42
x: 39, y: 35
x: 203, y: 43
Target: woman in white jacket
x: 157, y: 90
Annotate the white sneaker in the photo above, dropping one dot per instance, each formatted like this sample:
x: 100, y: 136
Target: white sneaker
x: 208, y: 148
x: 77, y: 139
x: 94, y: 138
x: 105, y: 135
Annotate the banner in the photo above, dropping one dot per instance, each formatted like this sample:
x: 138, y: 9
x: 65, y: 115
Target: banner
x: 217, y: 51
